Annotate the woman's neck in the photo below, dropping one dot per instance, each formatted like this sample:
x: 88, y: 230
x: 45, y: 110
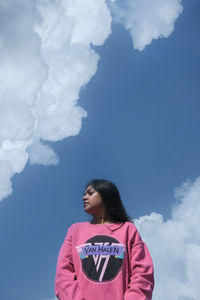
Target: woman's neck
x: 101, y: 220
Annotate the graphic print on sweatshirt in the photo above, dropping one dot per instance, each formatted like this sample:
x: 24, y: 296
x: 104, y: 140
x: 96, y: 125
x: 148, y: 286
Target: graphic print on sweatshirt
x: 101, y: 257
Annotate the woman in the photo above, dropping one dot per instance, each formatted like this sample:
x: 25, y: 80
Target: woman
x: 105, y: 258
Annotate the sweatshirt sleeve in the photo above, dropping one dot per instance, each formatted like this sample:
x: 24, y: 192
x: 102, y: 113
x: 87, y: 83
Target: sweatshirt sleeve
x: 66, y: 284
x: 141, y: 282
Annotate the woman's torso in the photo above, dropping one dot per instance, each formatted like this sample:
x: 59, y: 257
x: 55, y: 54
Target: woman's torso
x: 100, y: 254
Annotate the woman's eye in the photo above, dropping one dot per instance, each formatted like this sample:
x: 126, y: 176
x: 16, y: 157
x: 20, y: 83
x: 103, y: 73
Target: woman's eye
x: 90, y: 193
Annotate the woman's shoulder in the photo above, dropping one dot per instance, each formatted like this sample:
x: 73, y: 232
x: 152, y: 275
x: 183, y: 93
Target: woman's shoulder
x: 132, y: 230
x: 77, y: 225
x: 134, y: 233
x: 130, y: 225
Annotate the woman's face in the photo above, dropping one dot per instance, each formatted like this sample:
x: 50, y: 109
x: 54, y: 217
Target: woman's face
x: 92, y: 201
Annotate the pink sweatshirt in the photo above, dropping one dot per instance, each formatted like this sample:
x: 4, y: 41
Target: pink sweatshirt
x: 104, y: 261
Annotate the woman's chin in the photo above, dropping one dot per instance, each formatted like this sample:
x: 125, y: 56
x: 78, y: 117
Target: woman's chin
x: 87, y: 210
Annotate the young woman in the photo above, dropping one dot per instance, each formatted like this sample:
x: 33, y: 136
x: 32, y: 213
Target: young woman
x: 104, y: 258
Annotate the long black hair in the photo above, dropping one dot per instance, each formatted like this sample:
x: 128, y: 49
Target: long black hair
x: 111, y: 199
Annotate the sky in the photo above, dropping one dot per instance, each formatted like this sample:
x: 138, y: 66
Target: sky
x: 99, y: 89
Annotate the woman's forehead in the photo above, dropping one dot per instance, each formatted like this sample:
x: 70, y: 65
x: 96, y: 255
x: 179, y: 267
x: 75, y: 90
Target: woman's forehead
x: 89, y: 187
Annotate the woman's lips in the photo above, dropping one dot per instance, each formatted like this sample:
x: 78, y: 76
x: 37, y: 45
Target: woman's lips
x: 85, y: 203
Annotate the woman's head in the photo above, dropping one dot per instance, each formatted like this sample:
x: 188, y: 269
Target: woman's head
x: 103, y: 195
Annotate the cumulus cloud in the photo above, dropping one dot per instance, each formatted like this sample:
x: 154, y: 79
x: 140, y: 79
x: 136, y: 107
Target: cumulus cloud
x: 146, y: 20
x: 46, y: 58
x: 174, y: 245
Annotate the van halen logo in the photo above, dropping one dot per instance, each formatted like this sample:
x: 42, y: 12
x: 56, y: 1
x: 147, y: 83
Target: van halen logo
x: 102, y: 257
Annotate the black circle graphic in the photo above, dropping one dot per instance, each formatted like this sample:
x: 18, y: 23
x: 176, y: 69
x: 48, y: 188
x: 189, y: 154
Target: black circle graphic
x: 104, y: 268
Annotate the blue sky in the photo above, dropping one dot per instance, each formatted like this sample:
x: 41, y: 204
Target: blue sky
x: 141, y: 132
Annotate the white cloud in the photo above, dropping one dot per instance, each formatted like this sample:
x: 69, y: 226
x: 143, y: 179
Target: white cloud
x: 146, y: 20
x: 175, y: 245
x: 42, y: 154
x: 45, y: 58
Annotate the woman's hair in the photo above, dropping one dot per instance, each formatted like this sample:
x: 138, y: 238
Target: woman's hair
x: 111, y: 199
